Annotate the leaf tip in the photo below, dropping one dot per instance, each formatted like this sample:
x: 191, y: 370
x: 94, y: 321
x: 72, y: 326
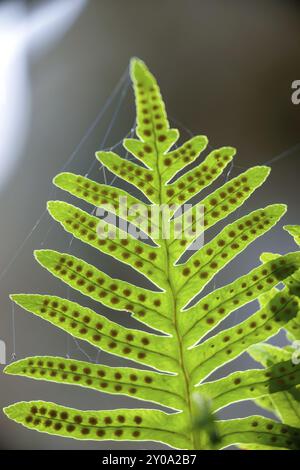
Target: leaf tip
x: 264, y: 170
x: 284, y: 208
x: 12, y: 411
x: 59, y: 179
x: 42, y: 255
x: 8, y: 369
x: 51, y: 206
x: 16, y: 298
x: 136, y: 65
x: 278, y: 209
x: 57, y: 209
x: 16, y: 411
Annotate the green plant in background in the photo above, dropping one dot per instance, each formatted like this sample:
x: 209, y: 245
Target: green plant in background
x: 284, y: 404
x: 180, y: 362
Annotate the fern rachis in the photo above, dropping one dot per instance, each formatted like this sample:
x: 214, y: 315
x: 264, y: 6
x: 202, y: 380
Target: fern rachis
x: 180, y: 364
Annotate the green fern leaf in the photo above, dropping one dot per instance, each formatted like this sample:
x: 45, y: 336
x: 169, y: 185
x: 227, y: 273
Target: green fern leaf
x: 98, y: 194
x: 286, y: 403
x: 144, y: 385
x: 292, y: 283
x: 80, y: 224
x: 251, y: 384
x: 126, y: 425
x: 266, y: 403
x: 178, y: 363
x: 83, y: 323
x: 260, y: 432
x: 222, y: 202
x: 198, y: 320
x: 230, y: 343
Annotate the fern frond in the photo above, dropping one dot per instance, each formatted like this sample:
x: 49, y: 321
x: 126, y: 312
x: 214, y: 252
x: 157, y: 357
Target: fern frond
x: 179, y: 273
x: 292, y: 283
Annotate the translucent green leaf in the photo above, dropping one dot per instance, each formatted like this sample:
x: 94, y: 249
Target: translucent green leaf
x: 259, y: 447
x: 267, y: 296
x: 219, y: 204
x: 268, y: 355
x: 266, y: 403
x: 98, y: 194
x: 152, y: 123
x: 259, y: 430
x: 137, y: 383
x: 121, y: 425
x: 145, y: 180
x: 178, y: 271
x: 293, y: 328
x: 146, y: 306
x: 251, y: 384
x: 84, y: 323
x: 230, y: 343
x: 146, y: 152
x: 196, y: 321
x: 177, y: 159
x: 292, y: 283
x: 144, y: 258
x: 192, y: 276
x: 194, y: 181
x: 286, y: 403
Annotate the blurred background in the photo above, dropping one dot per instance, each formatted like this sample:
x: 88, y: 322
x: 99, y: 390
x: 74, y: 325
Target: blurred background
x: 225, y: 69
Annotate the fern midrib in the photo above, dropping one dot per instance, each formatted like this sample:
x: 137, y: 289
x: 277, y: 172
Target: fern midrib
x: 165, y: 247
